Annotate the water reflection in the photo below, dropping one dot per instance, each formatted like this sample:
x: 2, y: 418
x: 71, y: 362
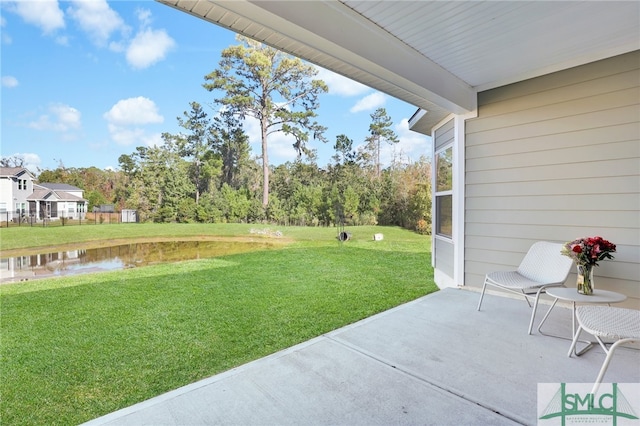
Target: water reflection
x: 84, y: 261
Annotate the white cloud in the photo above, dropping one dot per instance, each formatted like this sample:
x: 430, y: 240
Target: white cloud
x: 144, y: 16
x: 59, y: 118
x: 279, y: 146
x: 31, y: 161
x: 410, y: 147
x: 45, y: 14
x: 6, y: 38
x: 339, y: 85
x: 127, y: 116
x: 132, y: 111
x: 369, y: 102
x: 9, y: 81
x: 148, y: 47
x: 118, y: 46
x: 97, y: 19
x: 251, y: 127
x: 68, y: 117
x: 62, y: 40
x: 138, y: 136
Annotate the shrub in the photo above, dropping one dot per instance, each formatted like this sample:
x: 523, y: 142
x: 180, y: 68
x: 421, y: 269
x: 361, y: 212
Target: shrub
x: 422, y: 227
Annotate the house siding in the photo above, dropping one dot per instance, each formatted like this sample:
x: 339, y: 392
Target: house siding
x: 556, y: 158
x: 444, y: 135
x: 13, y: 196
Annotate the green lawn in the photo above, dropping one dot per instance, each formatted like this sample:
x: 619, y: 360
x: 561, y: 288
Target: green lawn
x: 75, y: 348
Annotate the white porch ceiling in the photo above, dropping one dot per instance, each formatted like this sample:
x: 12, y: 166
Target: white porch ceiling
x: 435, y: 55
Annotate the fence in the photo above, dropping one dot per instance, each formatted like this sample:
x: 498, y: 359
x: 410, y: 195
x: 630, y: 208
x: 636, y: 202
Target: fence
x: 17, y: 218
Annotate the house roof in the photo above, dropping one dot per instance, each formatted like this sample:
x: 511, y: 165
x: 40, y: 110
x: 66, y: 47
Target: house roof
x: 14, y: 172
x: 39, y: 194
x: 59, y: 186
x: 43, y: 194
x: 435, y: 55
x: 54, y: 192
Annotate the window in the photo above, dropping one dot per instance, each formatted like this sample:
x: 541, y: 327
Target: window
x: 3, y: 207
x: 444, y: 192
x: 444, y: 215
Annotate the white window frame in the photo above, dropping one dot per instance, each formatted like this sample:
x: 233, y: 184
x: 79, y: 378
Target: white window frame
x: 458, y: 199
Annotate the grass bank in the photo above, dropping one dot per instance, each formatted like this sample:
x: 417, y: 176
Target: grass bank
x: 75, y: 348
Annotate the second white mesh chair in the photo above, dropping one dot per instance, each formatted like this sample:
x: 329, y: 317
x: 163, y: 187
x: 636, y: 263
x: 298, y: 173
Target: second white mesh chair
x: 543, y: 266
x: 603, y: 322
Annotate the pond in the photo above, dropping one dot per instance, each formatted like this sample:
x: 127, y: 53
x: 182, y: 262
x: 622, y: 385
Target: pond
x: 83, y: 261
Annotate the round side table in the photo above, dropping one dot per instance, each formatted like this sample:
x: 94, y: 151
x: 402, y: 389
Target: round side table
x: 572, y: 295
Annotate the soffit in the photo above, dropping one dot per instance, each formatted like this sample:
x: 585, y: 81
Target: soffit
x: 492, y: 43
x: 435, y: 55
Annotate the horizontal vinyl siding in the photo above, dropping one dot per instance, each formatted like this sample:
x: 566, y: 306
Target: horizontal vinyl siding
x: 556, y: 158
x: 444, y: 135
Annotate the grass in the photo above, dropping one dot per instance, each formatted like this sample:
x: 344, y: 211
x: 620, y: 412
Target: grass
x: 75, y: 348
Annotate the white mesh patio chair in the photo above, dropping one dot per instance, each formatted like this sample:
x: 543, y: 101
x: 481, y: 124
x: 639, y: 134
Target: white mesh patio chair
x: 543, y: 266
x: 604, y: 322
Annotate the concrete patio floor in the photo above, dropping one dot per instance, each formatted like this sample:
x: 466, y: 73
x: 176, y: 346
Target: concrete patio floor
x: 435, y: 360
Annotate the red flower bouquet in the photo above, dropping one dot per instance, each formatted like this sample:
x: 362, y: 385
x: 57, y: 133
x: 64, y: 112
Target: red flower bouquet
x: 589, y: 250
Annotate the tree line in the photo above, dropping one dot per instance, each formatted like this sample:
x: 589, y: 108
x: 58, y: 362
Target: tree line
x: 165, y: 187
x: 206, y: 173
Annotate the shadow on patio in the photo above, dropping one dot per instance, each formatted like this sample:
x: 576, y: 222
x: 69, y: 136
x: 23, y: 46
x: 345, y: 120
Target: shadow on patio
x: 435, y: 360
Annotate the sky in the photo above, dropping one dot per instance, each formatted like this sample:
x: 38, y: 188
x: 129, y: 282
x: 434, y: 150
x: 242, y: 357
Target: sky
x: 84, y: 82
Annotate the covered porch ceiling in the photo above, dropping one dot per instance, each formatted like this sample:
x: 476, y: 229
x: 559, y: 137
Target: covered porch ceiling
x: 435, y: 55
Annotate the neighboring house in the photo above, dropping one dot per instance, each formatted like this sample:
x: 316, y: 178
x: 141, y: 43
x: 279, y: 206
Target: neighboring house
x: 533, y: 107
x: 16, y: 184
x: 21, y: 197
x: 56, y: 200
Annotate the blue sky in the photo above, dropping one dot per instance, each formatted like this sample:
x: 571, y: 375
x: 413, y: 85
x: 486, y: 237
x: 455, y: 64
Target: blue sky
x: 84, y: 82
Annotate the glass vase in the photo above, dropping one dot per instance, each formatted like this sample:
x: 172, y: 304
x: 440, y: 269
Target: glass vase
x: 585, y: 282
